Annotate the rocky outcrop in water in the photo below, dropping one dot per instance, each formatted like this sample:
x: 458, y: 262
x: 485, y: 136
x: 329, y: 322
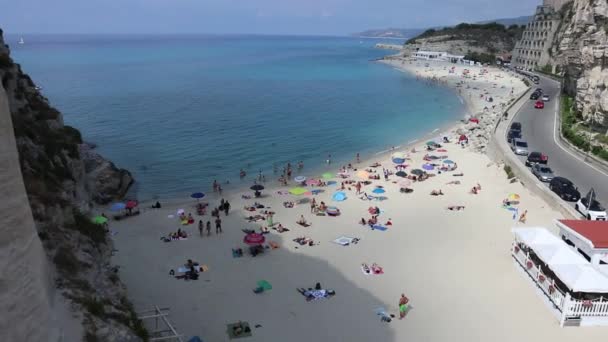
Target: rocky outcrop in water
x: 63, y: 179
x: 581, y: 49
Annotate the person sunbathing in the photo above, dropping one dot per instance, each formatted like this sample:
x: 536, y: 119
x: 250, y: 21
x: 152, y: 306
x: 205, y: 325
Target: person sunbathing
x: 302, y: 221
x: 377, y: 269
x: 389, y: 223
x: 436, y: 192
x: 264, y: 230
x: 456, y: 207
x: 362, y: 222
x: 474, y: 190
x: 288, y: 204
x: 366, y: 268
x: 454, y: 182
x: 281, y: 229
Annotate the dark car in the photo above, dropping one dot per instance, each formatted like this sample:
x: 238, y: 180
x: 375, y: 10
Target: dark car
x: 516, y: 126
x: 536, y: 158
x: 534, y: 96
x: 513, y: 134
x: 564, y: 189
x: 538, y: 90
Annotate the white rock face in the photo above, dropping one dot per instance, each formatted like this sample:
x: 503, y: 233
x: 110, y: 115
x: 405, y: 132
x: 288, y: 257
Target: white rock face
x: 582, y: 47
x: 24, y: 283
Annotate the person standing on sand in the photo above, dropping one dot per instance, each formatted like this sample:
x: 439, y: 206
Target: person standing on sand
x: 208, y: 228
x: 358, y: 160
x: 219, y: 189
x: 226, y: 207
x: 200, y: 227
x: 358, y: 187
x: 403, y: 301
x: 313, y: 205
x: 215, y: 186
x: 523, y: 217
x: 218, y: 225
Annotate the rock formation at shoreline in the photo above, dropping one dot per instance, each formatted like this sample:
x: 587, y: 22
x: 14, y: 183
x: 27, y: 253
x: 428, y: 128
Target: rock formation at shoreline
x: 581, y: 48
x: 63, y: 179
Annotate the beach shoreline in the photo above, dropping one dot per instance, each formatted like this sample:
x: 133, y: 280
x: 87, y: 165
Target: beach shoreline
x: 453, y: 264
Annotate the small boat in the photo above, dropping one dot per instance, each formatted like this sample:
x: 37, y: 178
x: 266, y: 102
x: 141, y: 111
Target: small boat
x: 21, y: 41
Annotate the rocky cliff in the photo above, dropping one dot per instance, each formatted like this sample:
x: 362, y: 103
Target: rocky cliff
x: 580, y: 47
x: 63, y: 179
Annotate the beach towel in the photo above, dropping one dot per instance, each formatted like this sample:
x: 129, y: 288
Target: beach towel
x: 379, y: 227
x: 230, y: 329
x: 199, y: 268
x: 304, y: 224
x: 345, y: 240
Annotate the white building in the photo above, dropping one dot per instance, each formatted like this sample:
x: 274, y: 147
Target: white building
x: 437, y: 56
x: 575, y: 290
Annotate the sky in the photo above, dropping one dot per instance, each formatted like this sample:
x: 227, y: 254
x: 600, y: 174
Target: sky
x: 315, y: 17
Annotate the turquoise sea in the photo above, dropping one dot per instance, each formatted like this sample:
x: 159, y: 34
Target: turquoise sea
x: 181, y: 111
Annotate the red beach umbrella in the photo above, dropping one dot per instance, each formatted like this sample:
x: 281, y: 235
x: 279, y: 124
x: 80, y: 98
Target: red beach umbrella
x: 254, y: 239
x: 462, y: 137
x: 131, y: 204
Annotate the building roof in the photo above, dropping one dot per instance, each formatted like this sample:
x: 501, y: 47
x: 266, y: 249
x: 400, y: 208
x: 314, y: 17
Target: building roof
x: 595, y: 232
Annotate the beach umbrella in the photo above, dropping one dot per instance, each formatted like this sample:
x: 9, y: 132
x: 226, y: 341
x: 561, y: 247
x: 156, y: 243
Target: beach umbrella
x: 118, y: 206
x: 264, y: 285
x: 431, y: 143
x: 401, y: 174
x: 428, y: 166
x: 417, y: 172
x: 405, y: 183
x: 316, y: 191
x: 99, y: 219
x: 339, y: 196
x: 257, y: 187
x: 378, y: 191
x: 398, y: 158
x: 462, y: 137
x: 197, y: 195
x: 297, y: 191
x: 327, y: 175
x: 312, y: 181
x: 513, y: 197
x: 363, y: 174
x: 300, y: 179
x: 254, y: 239
x: 332, y: 183
x: 447, y: 161
x: 131, y: 204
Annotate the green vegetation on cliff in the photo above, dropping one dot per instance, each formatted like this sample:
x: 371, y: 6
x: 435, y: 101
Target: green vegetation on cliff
x: 574, y: 131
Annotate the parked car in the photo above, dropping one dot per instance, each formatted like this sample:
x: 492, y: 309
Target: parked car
x: 590, y: 207
x: 513, y: 135
x: 564, y: 189
x: 538, y: 90
x: 536, y: 158
x: 520, y: 147
x: 545, y: 98
x: 542, y: 172
x: 534, y: 96
x: 516, y: 126
x: 539, y: 105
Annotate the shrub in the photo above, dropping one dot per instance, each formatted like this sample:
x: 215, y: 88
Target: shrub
x: 509, y: 172
x: 93, y: 306
x: 83, y: 224
x: 66, y: 261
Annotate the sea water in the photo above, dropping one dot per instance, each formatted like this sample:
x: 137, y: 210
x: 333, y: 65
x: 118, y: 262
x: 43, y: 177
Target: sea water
x: 182, y: 111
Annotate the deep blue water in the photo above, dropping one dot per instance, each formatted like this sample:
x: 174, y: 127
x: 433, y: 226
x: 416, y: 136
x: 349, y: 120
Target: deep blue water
x: 181, y: 111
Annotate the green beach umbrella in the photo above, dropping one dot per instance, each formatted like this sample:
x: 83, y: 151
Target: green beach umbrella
x: 431, y: 143
x: 297, y: 191
x: 327, y: 175
x: 99, y: 219
x: 265, y: 285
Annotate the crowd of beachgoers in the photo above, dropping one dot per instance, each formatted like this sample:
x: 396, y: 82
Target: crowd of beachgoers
x: 411, y: 245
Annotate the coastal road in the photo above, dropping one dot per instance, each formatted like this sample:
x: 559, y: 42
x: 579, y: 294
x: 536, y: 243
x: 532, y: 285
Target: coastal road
x: 539, y: 130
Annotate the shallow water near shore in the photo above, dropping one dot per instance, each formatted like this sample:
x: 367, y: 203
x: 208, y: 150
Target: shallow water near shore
x: 181, y: 111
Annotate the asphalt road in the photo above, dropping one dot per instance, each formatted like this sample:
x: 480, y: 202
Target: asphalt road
x: 538, y: 129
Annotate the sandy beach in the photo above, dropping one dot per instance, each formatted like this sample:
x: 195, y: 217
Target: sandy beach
x: 454, y: 266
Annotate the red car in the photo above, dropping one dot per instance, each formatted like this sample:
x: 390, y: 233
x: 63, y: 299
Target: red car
x: 539, y: 105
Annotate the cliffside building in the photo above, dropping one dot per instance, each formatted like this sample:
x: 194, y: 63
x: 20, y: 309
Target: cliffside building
x: 532, y: 50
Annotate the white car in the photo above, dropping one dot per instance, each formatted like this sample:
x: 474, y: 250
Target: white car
x: 545, y: 98
x: 594, y: 212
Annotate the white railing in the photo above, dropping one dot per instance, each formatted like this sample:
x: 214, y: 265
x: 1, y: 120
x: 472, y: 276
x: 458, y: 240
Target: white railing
x: 569, y: 308
x: 546, y: 284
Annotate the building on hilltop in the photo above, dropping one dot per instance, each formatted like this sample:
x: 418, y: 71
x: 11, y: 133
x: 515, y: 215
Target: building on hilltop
x: 532, y: 50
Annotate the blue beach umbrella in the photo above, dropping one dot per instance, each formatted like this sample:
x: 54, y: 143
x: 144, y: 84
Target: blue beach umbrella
x: 339, y: 196
x: 378, y: 191
x: 118, y: 206
x: 428, y: 167
x: 447, y: 161
x: 197, y: 195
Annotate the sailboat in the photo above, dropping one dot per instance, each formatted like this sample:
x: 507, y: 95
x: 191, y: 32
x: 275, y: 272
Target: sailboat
x: 21, y: 41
